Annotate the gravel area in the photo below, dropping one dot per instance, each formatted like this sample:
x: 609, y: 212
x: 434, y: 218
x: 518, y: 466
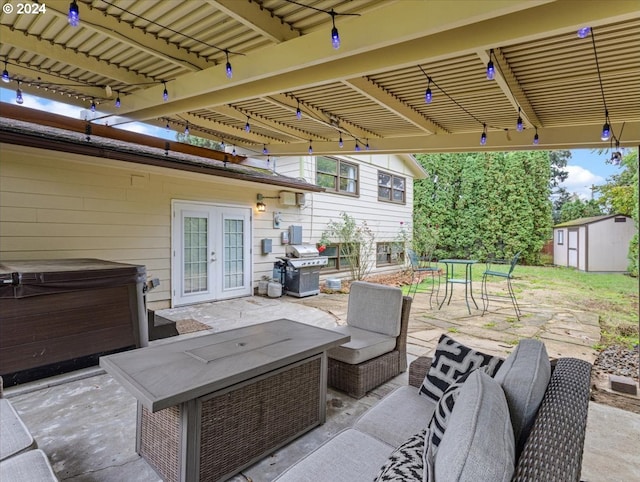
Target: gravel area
x: 618, y: 360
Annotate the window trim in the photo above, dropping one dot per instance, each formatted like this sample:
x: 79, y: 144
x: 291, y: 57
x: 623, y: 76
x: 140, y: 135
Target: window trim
x: 560, y: 237
x: 337, y: 268
x: 393, y: 176
x: 338, y: 177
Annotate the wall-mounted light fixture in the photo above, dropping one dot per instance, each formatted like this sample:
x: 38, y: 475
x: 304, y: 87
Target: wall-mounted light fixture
x: 260, y: 206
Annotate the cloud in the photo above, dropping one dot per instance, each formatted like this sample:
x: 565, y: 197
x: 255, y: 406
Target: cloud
x: 580, y: 180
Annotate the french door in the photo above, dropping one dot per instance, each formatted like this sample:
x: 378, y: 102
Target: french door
x: 211, y: 252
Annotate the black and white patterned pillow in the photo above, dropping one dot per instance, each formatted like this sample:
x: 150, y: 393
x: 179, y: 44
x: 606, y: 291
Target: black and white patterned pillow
x: 405, y: 463
x: 451, y: 361
x: 438, y: 423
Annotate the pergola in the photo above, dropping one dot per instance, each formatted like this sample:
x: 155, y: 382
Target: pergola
x: 370, y: 92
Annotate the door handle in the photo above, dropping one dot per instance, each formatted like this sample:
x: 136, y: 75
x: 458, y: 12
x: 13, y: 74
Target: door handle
x: 213, y: 256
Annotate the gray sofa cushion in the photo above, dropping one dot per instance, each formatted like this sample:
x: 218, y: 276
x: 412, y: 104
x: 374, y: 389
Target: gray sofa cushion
x: 405, y: 463
x: 364, y: 345
x: 348, y: 456
x: 397, y: 416
x: 451, y: 360
x: 524, y: 377
x: 375, y: 307
x: 30, y: 466
x: 14, y: 435
x: 478, y: 444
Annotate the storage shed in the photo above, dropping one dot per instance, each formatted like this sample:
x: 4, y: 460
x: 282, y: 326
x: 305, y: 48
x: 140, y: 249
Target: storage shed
x: 595, y: 244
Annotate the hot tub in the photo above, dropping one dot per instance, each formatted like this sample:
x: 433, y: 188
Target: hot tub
x: 63, y: 314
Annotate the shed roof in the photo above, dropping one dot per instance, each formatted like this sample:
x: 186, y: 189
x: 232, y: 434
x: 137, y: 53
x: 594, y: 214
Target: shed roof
x: 589, y: 220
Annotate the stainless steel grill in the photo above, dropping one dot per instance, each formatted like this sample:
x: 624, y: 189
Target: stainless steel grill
x: 302, y: 270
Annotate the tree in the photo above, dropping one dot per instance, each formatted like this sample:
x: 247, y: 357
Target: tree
x: 578, y: 208
x: 559, y: 195
x: 617, y: 195
x: 485, y: 203
x: 198, y: 141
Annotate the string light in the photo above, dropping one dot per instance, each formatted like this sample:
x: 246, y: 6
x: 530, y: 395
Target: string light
x: 222, y: 144
x: 233, y: 152
x: 247, y: 127
x: 519, y: 124
x: 367, y: 146
x: 310, y: 148
x: 5, y: 74
x: 491, y: 71
x: 606, y: 128
x: 584, y: 32
x: 298, y: 111
x: 186, y: 130
x: 228, y: 66
x: 428, y: 95
x: 74, y: 14
x: 265, y: 151
x: 19, y: 99
x: 335, y: 37
x: 165, y: 92
x: 483, y: 137
x: 357, y: 146
x: 118, y: 103
x: 340, y: 143
x: 168, y: 127
x: 536, y: 138
x: 93, y: 105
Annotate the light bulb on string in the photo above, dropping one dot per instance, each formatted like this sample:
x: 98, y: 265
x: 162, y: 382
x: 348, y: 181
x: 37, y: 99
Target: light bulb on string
x: 118, y: 103
x: 340, y: 142
x: 298, y: 111
x: 186, y: 130
x: 367, y: 146
x: 483, y: 137
x: 222, y: 144
x: 5, y: 74
x: 229, y: 70
x: 519, y: 123
x: 165, y: 92
x: 536, y: 138
x: 247, y: 127
x: 19, y: 99
x: 606, y: 130
x: 357, y: 146
x: 74, y: 14
x: 491, y: 71
x: 335, y: 37
x: 233, y: 152
x: 428, y: 95
x: 93, y: 105
x: 310, y: 148
x: 168, y: 127
x: 584, y: 32
x: 265, y: 151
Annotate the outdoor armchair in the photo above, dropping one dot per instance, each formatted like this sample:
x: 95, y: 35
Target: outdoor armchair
x: 500, y: 269
x: 377, y: 321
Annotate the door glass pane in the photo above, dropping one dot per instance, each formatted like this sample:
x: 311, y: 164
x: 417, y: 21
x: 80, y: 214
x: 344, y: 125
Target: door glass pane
x: 195, y: 255
x: 233, y: 253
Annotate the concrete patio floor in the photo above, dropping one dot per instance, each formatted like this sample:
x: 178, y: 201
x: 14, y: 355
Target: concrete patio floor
x: 85, y: 421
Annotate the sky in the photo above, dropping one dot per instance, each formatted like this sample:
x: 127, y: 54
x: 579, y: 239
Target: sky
x: 586, y: 167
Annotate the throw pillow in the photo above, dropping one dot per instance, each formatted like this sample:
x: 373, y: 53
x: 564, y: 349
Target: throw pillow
x: 438, y: 423
x: 524, y: 377
x: 452, y: 360
x: 478, y: 444
x: 405, y: 463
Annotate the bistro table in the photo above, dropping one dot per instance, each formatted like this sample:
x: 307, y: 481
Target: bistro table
x: 211, y: 405
x: 451, y: 280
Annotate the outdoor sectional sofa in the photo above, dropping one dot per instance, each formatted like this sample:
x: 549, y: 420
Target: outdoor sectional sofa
x: 522, y: 419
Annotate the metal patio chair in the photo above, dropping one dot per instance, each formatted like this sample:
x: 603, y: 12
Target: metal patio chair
x: 419, y: 266
x: 500, y: 268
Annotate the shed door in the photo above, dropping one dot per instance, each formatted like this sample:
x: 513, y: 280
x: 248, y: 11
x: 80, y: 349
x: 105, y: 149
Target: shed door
x: 572, y: 246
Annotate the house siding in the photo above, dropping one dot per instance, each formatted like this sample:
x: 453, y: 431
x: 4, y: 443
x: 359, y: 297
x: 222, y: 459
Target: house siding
x: 60, y: 205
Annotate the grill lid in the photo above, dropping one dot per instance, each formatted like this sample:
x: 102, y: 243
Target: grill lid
x: 301, y: 251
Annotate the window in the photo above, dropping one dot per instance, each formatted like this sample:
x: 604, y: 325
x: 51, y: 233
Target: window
x: 389, y: 254
x: 560, y: 239
x: 338, y: 262
x: 391, y: 188
x: 336, y: 175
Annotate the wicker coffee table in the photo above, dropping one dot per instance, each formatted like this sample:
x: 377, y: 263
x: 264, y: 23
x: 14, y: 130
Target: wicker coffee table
x: 211, y: 405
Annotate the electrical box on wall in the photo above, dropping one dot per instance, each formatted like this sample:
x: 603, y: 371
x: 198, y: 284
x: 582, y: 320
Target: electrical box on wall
x: 266, y: 246
x: 287, y: 198
x: 277, y: 218
x: 300, y: 199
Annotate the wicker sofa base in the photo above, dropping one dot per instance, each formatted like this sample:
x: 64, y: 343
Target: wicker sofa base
x: 357, y: 380
x: 236, y: 426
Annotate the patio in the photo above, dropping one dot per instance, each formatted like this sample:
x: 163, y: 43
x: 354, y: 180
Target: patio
x: 85, y: 421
